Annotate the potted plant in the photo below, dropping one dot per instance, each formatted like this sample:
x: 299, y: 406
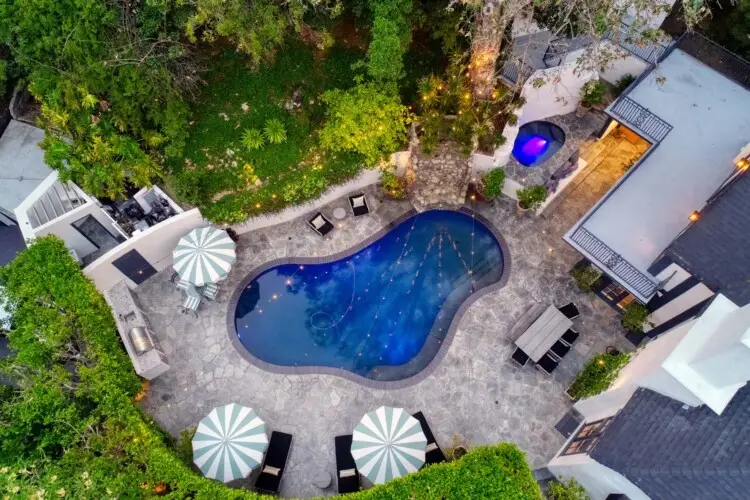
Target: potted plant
x: 597, y: 375
x: 530, y: 198
x: 634, y: 317
x: 458, y: 448
x: 492, y: 184
x: 592, y: 94
x: 568, y: 489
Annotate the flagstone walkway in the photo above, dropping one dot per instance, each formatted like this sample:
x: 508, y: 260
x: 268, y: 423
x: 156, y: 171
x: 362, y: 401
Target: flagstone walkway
x: 474, y: 392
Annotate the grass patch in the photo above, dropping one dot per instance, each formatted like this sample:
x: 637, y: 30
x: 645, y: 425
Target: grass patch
x: 220, y: 175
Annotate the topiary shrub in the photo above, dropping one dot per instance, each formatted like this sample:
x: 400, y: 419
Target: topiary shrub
x: 566, y: 490
x: 492, y: 183
x: 597, y: 375
x: 530, y: 198
x: 634, y: 317
x: 586, y: 277
x: 393, y: 185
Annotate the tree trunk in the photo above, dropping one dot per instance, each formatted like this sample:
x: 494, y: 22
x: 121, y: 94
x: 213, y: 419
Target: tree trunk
x: 485, y: 48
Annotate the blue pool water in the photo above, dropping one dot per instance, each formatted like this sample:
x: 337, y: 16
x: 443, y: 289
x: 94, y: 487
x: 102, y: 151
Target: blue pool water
x: 382, y: 312
x: 537, y: 142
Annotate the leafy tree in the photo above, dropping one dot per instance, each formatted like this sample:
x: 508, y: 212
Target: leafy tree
x: 729, y: 27
x: 106, y: 73
x: 256, y: 27
x: 391, y: 35
x: 368, y: 119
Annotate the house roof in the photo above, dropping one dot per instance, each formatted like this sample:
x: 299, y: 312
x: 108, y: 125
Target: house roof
x: 22, y: 165
x: 716, y: 249
x: 673, y: 451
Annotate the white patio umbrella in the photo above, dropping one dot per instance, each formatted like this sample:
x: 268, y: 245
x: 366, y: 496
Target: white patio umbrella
x: 204, y: 255
x: 229, y: 443
x: 388, y: 443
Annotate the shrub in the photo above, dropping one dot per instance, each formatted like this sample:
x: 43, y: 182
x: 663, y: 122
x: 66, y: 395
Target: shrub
x: 393, y: 185
x: 566, y: 490
x: 252, y: 138
x: 633, y: 317
x: 391, y: 35
x: 593, y: 92
x: 532, y: 197
x: 274, y: 131
x: 586, y: 277
x: 597, y: 375
x: 492, y: 183
x: 623, y: 82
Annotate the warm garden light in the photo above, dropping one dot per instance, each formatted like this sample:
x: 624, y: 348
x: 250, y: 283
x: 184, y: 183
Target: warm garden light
x: 694, y: 216
x: 742, y: 164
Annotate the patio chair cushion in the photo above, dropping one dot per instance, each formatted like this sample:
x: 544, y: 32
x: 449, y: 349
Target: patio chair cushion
x: 271, y: 470
x: 358, y: 201
x: 318, y: 222
x: 348, y: 473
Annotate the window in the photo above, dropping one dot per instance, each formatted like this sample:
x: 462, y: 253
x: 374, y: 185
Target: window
x: 587, y: 437
x: 614, y: 291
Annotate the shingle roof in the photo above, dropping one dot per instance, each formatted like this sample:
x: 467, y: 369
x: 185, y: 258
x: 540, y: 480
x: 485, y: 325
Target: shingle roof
x: 674, y: 452
x: 716, y: 249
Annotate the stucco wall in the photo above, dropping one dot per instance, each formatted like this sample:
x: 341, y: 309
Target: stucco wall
x: 155, y: 245
x: 598, y: 480
x: 558, y: 96
x: 625, y: 64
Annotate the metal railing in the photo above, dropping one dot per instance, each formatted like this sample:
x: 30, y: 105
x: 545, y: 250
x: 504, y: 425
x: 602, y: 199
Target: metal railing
x: 628, y: 275
x: 515, y: 70
x: 630, y: 40
x: 716, y: 57
x: 640, y: 119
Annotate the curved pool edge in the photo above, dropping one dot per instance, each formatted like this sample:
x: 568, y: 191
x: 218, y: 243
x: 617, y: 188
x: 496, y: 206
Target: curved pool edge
x: 346, y: 374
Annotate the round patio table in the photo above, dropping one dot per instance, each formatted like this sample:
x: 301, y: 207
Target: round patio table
x: 339, y: 213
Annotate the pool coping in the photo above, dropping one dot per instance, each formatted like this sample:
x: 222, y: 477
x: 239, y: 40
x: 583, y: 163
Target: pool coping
x: 346, y: 374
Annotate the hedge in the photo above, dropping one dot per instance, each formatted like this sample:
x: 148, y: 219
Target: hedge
x: 99, y: 444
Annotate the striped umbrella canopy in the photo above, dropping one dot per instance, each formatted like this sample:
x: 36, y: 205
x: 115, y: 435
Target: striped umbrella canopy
x: 229, y: 443
x: 204, y: 255
x: 388, y: 443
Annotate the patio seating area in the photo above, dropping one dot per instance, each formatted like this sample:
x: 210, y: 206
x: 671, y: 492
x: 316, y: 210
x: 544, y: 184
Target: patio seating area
x: 476, y: 391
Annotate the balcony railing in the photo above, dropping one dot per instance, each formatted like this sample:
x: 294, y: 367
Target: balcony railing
x: 716, y: 57
x: 627, y: 274
x: 515, y: 70
x: 640, y: 119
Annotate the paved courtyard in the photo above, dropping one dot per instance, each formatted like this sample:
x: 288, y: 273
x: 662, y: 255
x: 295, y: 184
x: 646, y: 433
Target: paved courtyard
x: 474, y: 392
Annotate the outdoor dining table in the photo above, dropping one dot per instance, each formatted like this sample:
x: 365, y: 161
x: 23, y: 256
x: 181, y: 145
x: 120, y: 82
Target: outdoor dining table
x: 543, y: 333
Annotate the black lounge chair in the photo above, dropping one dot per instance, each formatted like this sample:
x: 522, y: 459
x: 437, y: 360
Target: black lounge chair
x: 358, y: 202
x: 274, y: 463
x: 569, y: 310
x: 520, y: 357
x: 547, y: 364
x: 320, y: 224
x: 569, y: 337
x: 560, y: 349
x: 347, y: 475
x: 433, y: 455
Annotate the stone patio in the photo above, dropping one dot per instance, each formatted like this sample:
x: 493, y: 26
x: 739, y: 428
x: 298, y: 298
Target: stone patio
x: 475, y: 391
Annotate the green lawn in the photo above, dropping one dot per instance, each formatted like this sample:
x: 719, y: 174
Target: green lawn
x: 211, y: 173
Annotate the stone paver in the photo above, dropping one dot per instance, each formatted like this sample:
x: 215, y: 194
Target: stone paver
x: 441, y: 177
x: 475, y: 391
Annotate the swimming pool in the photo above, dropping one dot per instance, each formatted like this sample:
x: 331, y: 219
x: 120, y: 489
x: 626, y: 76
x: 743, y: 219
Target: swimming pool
x: 537, y: 142
x: 382, y: 312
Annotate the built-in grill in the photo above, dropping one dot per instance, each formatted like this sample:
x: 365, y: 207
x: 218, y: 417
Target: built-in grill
x: 140, y: 339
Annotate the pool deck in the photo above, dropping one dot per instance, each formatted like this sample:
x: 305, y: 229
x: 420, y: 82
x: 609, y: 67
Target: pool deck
x: 474, y: 391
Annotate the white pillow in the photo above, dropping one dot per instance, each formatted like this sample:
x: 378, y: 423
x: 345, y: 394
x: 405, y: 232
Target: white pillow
x: 348, y: 473
x: 318, y: 222
x: 271, y: 470
x: 359, y: 201
x: 430, y: 447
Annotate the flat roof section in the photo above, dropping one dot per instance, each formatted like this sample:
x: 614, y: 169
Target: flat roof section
x: 22, y: 165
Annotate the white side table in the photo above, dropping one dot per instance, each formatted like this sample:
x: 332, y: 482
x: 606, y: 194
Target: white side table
x: 339, y: 213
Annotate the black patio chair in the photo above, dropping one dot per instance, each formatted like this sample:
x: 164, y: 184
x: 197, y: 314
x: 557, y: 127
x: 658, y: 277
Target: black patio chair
x: 347, y: 475
x: 320, y: 224
x: 569, y: 310
x: 560, y: 349
x: 433, y: 453
x: 358, y: 202
x: 547, y: 364
x: 569, y: 337
x: 520, y: 357
x: 274, y: 463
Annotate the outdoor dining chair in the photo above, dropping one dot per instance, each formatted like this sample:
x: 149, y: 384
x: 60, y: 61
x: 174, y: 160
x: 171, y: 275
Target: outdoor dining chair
x: 569, y: 310
x: 320, y: 224
x: 547, y: 364
x: 191, y: 305
x: 359, y: 205
x: 274, y: 462
x: 347, y: 475
x: 569, y: 337
x: 433, y: 453
x: 559, y: 349
x: 211, y: 291
x: 520, y: 357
